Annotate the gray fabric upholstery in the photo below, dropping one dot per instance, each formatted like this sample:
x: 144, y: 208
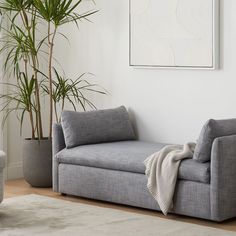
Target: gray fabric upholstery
x: 58, y: 139
x: 215, y: 201
x: 58, y: 144
x: 125, y: 155
x: 192, y: 199
x: 55, y: 166
x: 194, y: 171
x: 96, y: 126
x: 211, y: 130
x: 129, y: 156
x: 128, y: 188
x: 223, y: 178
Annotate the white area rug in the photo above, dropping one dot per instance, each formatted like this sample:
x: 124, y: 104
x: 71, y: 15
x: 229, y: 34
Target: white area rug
x: 39, y: 215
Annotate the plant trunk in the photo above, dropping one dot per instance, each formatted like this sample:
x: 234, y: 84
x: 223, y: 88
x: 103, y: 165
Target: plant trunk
x: 30, y: 104
x: 51, y: 44
x: 34, y: 62
x: 63, y: 104
x: 37, y: 98
x: 32, y: 123
x: 55, y: 111
x: 50, y: 89
x: 38, y: 113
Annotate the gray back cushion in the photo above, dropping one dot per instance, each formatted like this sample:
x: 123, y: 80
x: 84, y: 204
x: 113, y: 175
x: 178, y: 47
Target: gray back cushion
x: 211, y: 130
x: 99, y: 126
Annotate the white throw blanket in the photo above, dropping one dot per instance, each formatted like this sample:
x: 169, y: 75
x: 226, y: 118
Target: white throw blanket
x: 162, y: 171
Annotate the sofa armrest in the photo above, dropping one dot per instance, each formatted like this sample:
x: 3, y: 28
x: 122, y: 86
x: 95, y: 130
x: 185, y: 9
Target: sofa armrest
x: 58, y: 143
x: 223, y: 178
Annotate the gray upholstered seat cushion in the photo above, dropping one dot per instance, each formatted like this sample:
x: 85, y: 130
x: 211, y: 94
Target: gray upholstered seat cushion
x: 211, y: 130
x: 99, y: 126
x: 128, y: 156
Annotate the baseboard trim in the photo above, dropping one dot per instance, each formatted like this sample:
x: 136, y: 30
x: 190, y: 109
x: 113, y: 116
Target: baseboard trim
x: 15, y: 170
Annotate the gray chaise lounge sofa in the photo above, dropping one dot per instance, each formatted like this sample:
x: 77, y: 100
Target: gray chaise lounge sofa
x: 114, y: 171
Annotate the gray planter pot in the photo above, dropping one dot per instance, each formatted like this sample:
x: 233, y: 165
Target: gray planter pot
x: 37, y: 162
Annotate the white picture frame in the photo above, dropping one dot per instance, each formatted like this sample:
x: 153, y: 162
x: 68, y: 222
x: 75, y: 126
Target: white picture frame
x: 146, y: 44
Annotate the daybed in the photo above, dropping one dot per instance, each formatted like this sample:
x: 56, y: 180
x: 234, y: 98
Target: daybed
x: 88, y: 161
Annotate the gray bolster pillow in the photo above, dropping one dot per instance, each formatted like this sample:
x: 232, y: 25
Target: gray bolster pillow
x: 91, y: 127
x: 210, y: 131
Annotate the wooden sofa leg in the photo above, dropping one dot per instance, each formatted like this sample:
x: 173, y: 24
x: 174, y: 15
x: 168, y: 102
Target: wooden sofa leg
x: 63, y: 194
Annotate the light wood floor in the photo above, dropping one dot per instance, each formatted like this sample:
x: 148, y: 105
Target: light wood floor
x: 20, y: 187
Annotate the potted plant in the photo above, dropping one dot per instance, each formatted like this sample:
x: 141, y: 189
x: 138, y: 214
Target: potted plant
x: 23, y: 46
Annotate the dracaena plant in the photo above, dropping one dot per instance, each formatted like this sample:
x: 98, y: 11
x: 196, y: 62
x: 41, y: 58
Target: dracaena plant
x: 23, y: 46
x: 72, y: 91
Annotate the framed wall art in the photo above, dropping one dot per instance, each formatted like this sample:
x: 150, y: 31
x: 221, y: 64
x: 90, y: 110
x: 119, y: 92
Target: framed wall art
x: 174, y: 33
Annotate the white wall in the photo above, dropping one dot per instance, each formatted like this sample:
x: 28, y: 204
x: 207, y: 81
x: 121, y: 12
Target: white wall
x: 168, y: 105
